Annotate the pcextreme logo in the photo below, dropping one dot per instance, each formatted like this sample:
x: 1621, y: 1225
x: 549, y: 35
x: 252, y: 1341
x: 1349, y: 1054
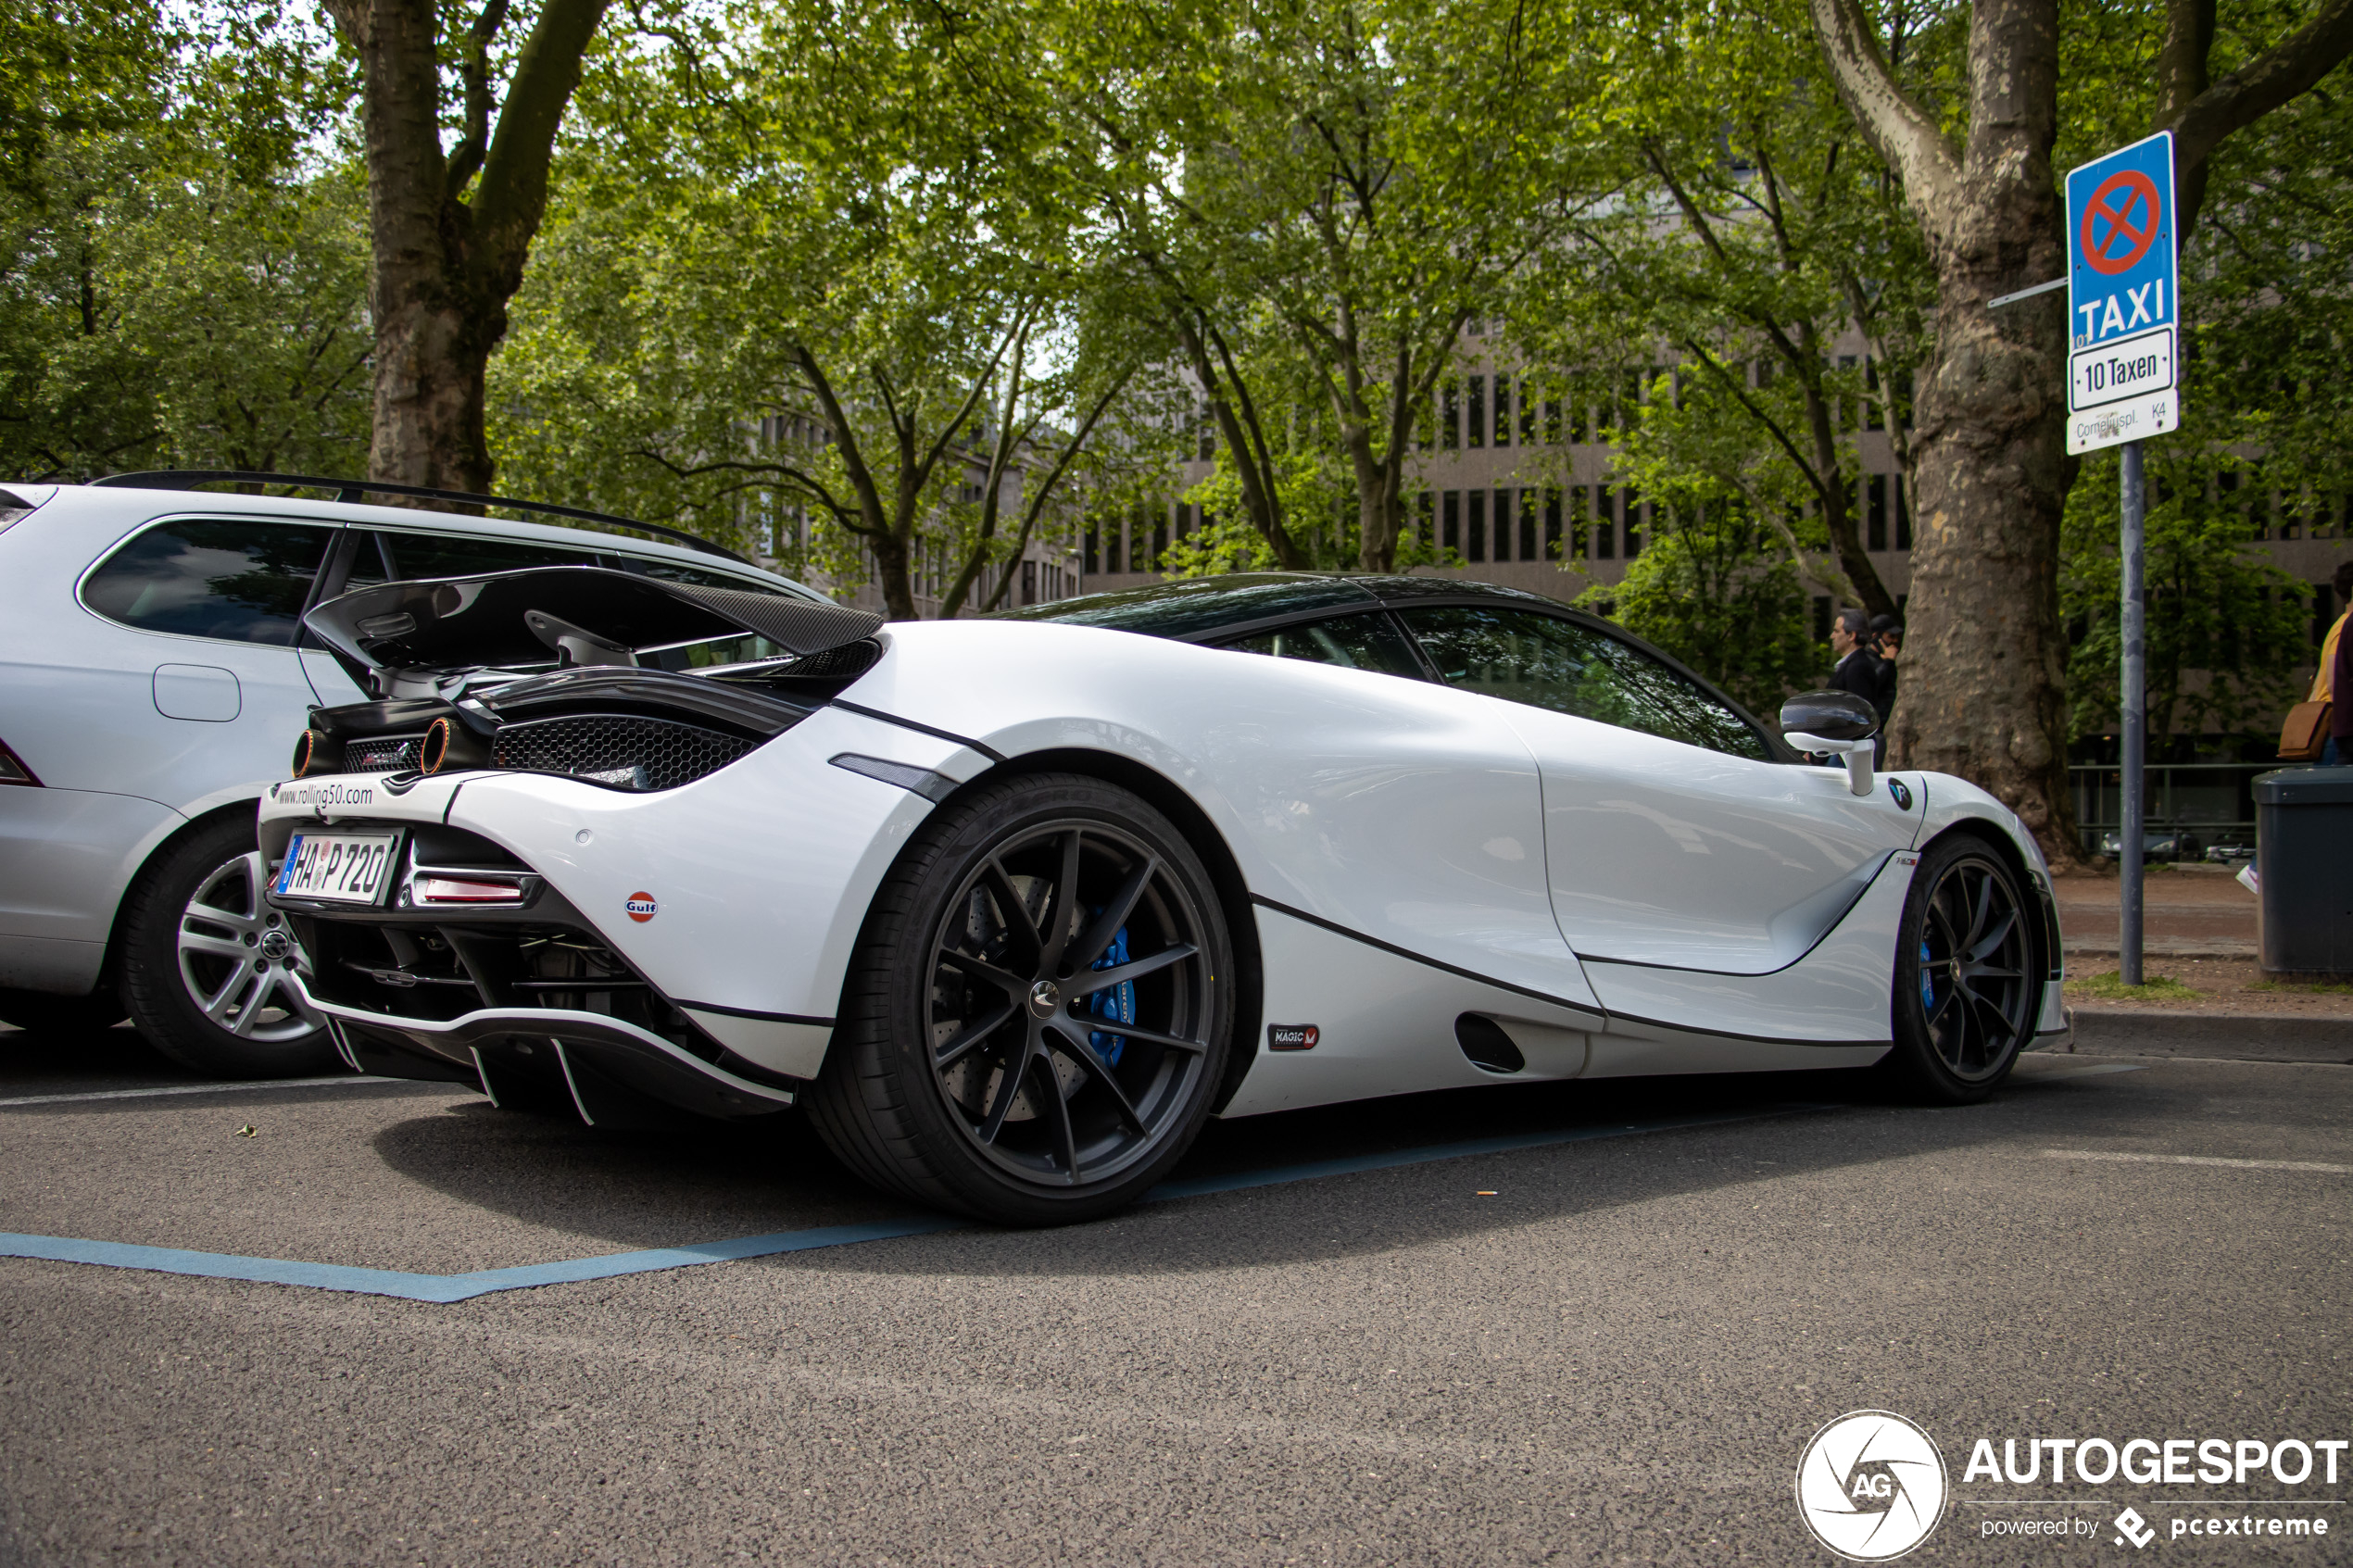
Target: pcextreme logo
x: 1872, y: 1485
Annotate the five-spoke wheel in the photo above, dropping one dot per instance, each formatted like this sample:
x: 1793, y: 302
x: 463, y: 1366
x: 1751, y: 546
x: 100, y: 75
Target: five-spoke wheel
x: 208, y: 965
x: 1037, y: 1019
x: 1967, y: 984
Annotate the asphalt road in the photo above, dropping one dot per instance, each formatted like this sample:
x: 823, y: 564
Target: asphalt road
x: 1617, y: 1356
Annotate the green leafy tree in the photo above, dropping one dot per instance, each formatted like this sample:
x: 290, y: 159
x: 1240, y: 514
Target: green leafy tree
x: 1756, y: 229
x: 785, y: 277
x: 1721, y: 582
x: 1977, y: 151
x: 187, y: 267
x: 1314, y: 175
x: 2225, y: 629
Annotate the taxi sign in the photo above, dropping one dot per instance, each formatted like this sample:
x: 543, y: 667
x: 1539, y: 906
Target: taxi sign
x: 2123, y: 313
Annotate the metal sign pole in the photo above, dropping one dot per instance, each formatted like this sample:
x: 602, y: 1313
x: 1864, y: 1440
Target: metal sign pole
x: 2134, y: 700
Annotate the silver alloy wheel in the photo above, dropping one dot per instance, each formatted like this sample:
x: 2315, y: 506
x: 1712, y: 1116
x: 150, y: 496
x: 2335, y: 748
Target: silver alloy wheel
x: 236, y: 954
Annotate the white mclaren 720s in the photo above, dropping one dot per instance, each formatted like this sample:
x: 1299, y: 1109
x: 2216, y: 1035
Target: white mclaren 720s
x: 1009, y: 907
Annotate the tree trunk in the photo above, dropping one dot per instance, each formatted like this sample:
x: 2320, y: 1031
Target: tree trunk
x: 446, y: 262
x: 1985, y: 668
x: 1985, y: 654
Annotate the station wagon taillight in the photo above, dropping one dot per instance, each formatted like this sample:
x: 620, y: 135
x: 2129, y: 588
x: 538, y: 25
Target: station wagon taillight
x: 13, y: 770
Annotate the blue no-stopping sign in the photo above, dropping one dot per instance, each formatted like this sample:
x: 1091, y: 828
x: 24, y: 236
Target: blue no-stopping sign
x: 2123, y: 310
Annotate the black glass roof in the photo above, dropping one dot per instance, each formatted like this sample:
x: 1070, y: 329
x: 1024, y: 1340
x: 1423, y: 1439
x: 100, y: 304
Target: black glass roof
x: 1194, y: 606
x: 1191, y: 605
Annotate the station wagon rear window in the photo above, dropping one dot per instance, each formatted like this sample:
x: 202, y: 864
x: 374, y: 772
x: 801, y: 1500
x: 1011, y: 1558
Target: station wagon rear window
x: 243, y: 581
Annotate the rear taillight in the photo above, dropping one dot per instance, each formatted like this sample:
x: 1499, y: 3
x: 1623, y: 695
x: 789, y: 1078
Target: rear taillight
x: 13, y: 770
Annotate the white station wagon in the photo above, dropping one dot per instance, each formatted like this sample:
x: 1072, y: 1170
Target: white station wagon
x: 153, y: 672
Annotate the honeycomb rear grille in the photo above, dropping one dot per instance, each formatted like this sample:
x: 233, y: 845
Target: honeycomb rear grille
x: 381, y: 754
x: 627, y: 752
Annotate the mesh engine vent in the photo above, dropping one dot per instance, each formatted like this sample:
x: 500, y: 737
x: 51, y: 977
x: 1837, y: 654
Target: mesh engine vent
x: 381, y: 754
x: 624, y: 751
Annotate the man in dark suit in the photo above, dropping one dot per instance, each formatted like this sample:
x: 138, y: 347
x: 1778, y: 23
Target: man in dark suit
x: 1858, y: 669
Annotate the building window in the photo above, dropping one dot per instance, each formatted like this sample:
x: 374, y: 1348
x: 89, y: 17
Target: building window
x: 1605, y: 524
x: 1451, y: 522
x: 1110, y: 550
x: 1160, y: 542
x: 1551, y: 523
x: 1822, y: 617
x: 1527, y: 415
x: 1874, y: 410
x: 1093, y: 563
x: 1476, y: 435
x: 1553, y: 420
x: 1633, y: 522
x: 1875, y: 512
x: 1029, y: 582
x: 1528, y: 526
x: 1477, y: 550
x: 1421, y: 527
x: 1838, y: 405
x: 1903, y: 512
x: 1504, y: 411
x: 1450, y: 415
x: 1580, y: 512
x: 1208, y: 447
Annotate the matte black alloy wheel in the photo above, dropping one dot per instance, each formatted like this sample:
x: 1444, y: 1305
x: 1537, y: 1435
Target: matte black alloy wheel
x: 1068, y: 997
x: 1974, y: 962
x: 1038, y: 1014
x: 1968, y: 989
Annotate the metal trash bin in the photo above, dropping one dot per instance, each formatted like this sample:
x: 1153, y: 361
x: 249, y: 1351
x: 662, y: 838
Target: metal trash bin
x: 2303, y: 871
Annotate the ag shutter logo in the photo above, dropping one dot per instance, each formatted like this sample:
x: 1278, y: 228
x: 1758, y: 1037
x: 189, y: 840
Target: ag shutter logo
x: 1872, y: 1485
x: 641, y: 907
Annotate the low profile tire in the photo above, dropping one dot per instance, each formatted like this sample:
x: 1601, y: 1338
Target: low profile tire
x: 1039, y: 1011
x: 1968, y: 987
x: 206, y: 964
x: 38, y: 1013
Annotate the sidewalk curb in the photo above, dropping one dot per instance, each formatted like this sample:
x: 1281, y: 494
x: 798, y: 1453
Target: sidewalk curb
x: 2241, y: 1037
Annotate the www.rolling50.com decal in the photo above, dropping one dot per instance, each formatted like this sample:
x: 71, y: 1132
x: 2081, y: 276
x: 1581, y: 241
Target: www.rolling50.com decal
x: 1872, y: 1485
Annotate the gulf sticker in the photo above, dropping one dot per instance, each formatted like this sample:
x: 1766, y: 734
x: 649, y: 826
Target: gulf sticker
x: 641, y: 907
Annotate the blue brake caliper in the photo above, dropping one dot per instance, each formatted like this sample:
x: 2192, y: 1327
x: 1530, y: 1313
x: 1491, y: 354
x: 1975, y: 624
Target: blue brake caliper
x: 1115, y: 1003
x: 1928, y: 987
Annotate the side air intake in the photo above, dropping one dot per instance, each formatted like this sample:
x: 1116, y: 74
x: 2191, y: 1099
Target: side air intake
x: 1485, y: 1043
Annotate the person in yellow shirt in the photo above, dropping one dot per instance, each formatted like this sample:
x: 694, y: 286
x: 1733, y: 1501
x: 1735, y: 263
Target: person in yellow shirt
x: 2326, y: 681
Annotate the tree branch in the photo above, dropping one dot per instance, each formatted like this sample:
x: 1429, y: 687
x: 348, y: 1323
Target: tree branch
x: 1906, y: 136
x: 2286, y: 70
x: 513, y: 191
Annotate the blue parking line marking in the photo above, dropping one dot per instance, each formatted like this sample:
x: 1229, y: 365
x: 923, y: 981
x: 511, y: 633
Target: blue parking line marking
x: 442, y: 1289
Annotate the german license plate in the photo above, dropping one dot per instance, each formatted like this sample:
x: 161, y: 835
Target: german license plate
x: 340, y: 868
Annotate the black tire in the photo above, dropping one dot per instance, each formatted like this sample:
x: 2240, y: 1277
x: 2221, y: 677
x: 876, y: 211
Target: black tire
x: 965, y: 1073
x: 205, y: 960
x: 1968, y: 981
x: 38, y: 1012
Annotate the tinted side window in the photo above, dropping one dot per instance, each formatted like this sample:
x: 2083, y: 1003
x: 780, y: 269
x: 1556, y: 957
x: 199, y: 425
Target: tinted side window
x: 1571, y: 669
x: 1352, y: 641
x: 451, y: 555
x: 241, y: 580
